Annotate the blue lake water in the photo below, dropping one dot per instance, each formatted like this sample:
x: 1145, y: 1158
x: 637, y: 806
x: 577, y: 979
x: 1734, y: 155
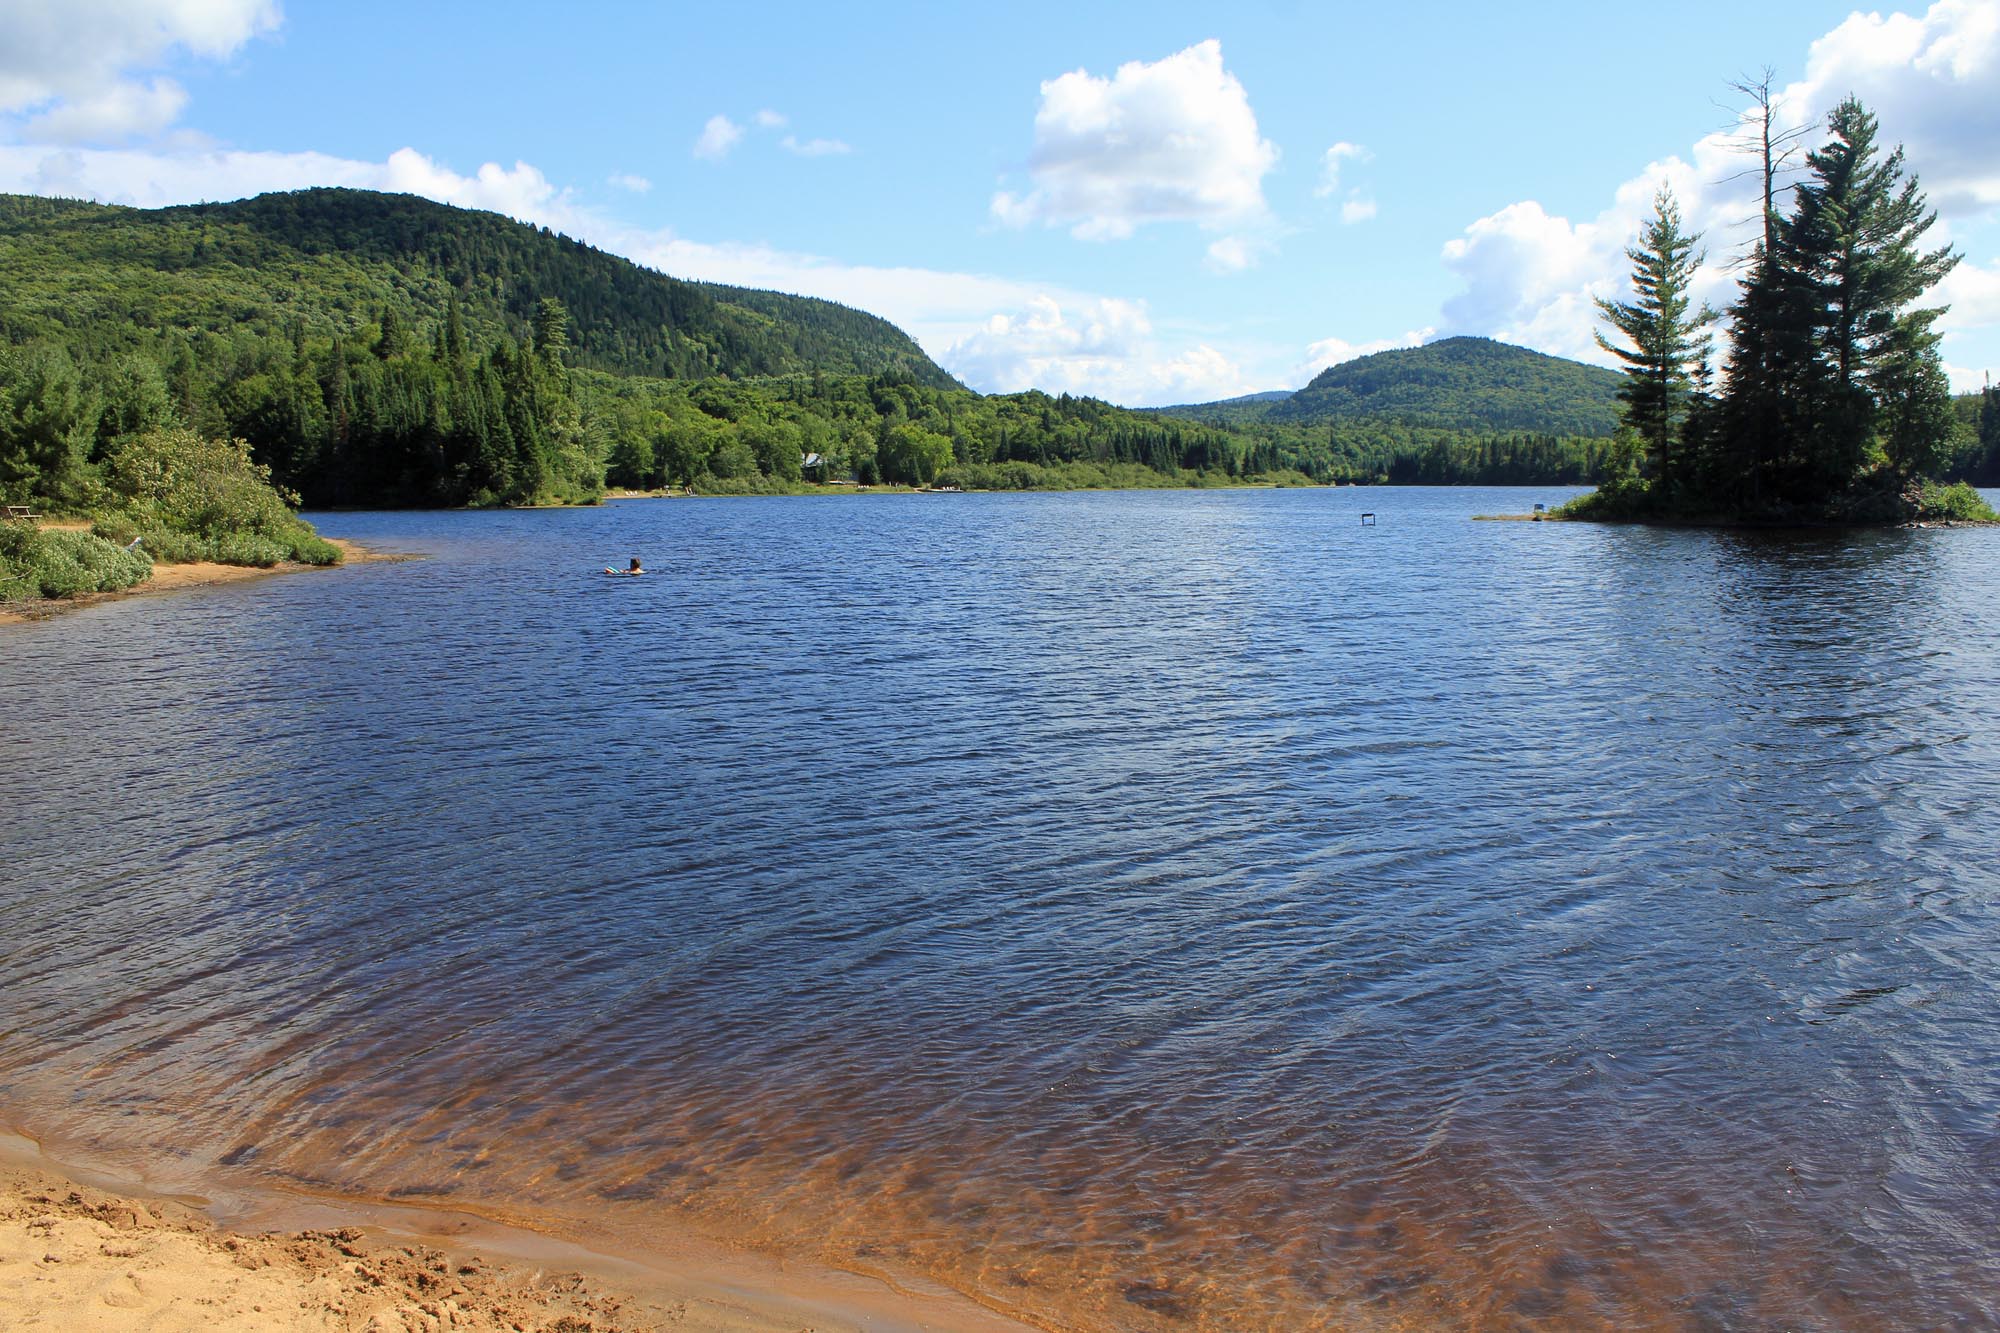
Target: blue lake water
x: 1140, y: 911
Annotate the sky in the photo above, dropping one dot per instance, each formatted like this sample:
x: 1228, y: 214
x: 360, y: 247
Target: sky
x: 1150, y: 203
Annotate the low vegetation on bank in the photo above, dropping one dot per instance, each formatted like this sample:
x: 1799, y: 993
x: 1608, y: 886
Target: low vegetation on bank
x: 148, y: 490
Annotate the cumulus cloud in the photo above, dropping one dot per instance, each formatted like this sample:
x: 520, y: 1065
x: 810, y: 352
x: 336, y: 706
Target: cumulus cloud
x: 1973, y: 293
x: 1233, y: 254
x: 625, y: 180
x: 718, y: 137
x: 814, y: 147
x: 1330, y: 163
x: 1357, y: 207
x: 1531, y: 277
x: 1934, y: 81
x: 114, y: 113
x: 1170, y: 141
x: 74, y: 64
x: 1328, y: 352
x: 1102, y: 346
x: 721, y: 135
x: 143, y: 179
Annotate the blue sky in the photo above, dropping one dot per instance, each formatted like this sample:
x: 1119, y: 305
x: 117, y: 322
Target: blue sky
x: 1152, y: 203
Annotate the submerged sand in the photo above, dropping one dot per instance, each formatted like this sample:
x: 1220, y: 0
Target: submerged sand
x: 84, y: 1251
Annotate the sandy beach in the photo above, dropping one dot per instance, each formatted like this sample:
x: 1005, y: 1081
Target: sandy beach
x: 84, y: 1250
x: 77, y: 1258
x: 176, y: 578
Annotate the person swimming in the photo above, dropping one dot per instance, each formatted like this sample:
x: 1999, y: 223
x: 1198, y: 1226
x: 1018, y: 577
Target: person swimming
x: 635, y: 569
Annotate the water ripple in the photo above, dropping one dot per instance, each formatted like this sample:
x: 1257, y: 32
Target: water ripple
x: 1145, y: 911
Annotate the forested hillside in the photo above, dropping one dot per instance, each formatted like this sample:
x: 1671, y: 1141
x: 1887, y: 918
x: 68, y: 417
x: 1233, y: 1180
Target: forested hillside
x: 321, y: 264
x: 1462, y: 384
x: 384, y: 350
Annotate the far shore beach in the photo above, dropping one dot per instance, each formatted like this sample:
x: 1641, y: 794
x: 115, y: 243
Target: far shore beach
x: 106, y: 1247
x: 176, y: 578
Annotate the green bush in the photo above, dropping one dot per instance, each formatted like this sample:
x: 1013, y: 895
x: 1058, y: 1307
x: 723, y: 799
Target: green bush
x: 298, y: 543
x: 192, y: 498
x: 38, y: 563
x: 1626, y: 500
x: 1957, y: 503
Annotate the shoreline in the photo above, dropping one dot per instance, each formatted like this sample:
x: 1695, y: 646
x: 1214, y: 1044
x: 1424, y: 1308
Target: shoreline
x: 84, y: 1238
x: 191, y: 574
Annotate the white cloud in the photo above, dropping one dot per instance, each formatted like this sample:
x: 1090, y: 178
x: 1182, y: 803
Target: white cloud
x: 1357, y: 207
x: 1170, y: 141
x: 1932, y: 81
x: 1330, y: 163
x: 625, y: 180
x: 145, y: 179
x: 1099, y: 346
x: 1973, y: 293
x: 1329, y: 352
x: 72, y: 62
x: 813, y: 147
x: 1964, y: 379
x: 768, y: 119
x: 1233, y: 254
x: 118, y: 112
x: 718, y: 137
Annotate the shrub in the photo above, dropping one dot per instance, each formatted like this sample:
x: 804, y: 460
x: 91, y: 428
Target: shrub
x: 1957, y: 503
x: 38, y: 563
x: 1627, y: 499
x: 193, y: 498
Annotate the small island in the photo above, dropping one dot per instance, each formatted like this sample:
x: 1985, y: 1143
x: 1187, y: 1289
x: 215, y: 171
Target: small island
x: 1835, y: 409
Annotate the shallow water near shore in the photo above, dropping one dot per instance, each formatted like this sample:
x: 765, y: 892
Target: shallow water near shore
x: 1139, y: 911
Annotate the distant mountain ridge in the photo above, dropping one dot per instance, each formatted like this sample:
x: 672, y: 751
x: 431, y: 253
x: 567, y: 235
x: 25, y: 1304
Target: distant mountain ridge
x: 333, y: 259
x: 1464, y: 383
x: 1266, y: 396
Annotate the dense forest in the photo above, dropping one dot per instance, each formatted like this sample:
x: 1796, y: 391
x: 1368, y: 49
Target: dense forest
x: 1834, y: 406
x: 383, y: 350
x: 1463, y: 384
x: 319, y: 264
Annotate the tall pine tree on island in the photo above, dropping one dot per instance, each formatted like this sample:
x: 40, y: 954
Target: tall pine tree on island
x: 1839, y: 357
x: 1836, y: 405
x: 1668, y: 337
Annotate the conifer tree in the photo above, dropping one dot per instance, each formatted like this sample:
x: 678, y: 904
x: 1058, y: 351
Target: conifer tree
x: 1667, y: 334
x: 1822, y: 344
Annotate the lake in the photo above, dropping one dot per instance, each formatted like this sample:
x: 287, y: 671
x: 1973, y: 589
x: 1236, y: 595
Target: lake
x: 1139, y: 910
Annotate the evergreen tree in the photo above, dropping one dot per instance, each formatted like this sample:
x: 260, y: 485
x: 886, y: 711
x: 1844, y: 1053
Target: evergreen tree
x: 1822, y: 344
x: 1913, y: 397
x: 1667, y: 335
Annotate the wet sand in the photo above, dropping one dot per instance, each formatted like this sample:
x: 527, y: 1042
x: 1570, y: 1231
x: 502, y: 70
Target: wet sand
x: 84, y: 1250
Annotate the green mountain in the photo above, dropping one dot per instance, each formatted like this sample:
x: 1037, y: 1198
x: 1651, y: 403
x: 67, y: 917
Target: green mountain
x: 315, y: 263
x: 1461, y: 384
x: 1227, y: 411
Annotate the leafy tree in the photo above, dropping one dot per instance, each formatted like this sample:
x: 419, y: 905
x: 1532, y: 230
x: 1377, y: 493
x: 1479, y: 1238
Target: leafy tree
x: 1666, y: 334
x: 913, y: 455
